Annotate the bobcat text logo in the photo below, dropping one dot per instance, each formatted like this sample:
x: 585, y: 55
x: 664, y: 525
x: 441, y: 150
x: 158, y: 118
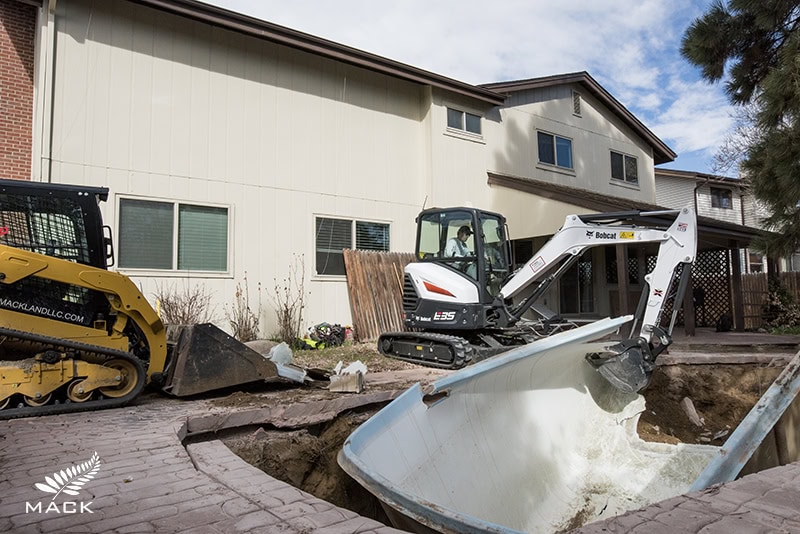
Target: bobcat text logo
x: 69, y: 481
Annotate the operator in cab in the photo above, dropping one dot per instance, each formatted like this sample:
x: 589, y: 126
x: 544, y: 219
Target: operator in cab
x: 457, y: 246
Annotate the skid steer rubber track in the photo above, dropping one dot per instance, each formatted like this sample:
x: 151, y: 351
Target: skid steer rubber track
x: 440, y: 351
x: 80, y: 352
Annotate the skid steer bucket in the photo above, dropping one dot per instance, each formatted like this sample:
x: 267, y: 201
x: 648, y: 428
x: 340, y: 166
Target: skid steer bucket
x: 204, y: 358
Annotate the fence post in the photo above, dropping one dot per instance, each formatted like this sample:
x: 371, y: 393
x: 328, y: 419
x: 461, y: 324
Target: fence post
x: 736, y: 287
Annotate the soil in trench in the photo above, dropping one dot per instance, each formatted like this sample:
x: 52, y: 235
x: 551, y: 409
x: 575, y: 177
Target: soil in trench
x: 307, y: 458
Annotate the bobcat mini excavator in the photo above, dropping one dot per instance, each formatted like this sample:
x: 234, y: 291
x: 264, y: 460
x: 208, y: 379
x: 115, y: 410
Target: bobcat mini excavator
x: 461, y: 309
x: 75, y: 336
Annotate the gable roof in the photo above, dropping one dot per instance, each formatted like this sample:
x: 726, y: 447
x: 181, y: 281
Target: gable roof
x: 260, y: 29
x: 661, y: 152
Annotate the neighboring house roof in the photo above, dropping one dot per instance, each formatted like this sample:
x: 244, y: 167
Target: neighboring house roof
x: 701, y: 177
x: 661, y: 152
x: 713, y: 232
x: 268, y: 31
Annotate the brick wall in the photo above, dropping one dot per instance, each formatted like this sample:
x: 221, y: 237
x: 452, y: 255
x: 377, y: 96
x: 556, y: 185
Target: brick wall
x: 17, y: 32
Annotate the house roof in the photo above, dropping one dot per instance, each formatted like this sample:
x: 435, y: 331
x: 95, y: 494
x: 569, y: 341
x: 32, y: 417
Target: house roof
x: 712, y: 233
x: 268, y: 31
x: 700, y: 177
x: 661, y: 152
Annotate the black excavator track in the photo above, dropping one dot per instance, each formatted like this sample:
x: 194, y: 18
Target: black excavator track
x: 440, y: 351
x: 96, y: 354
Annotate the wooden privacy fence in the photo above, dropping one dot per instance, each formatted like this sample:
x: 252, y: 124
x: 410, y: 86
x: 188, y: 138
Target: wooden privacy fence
x: 375, y: 288
x: 755, y: 291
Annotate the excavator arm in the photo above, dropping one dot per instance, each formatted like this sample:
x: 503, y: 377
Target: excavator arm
x: 628, y: 364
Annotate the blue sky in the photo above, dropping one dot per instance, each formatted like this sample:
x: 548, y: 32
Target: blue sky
x: 632, y: 48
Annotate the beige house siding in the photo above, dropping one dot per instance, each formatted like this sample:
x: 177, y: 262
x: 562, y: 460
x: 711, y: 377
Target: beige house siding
x: 161, y: 108
x: 594, y: 133
x: 674, y: 192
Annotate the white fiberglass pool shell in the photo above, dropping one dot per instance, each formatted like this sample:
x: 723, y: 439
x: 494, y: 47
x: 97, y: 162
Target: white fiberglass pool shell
x: 533, y: 440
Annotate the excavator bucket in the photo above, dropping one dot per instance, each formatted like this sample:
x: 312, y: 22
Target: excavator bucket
x: 626, y: 368
x: 204, y: 358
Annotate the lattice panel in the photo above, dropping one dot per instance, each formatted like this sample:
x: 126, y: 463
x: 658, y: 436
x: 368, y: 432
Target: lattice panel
x: 710, y: 280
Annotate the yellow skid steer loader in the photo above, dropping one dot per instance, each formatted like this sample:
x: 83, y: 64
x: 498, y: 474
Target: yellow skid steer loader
x: 75, y: 336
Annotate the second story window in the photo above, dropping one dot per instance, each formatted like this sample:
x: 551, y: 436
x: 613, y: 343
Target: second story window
x: 721, y: 198
x: 624, y: 167
x: 461, y: 120
x: 554, y: 150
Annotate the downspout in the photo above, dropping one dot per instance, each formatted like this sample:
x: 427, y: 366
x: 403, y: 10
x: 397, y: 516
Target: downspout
x: 694, y: 194
x: 48, y: 90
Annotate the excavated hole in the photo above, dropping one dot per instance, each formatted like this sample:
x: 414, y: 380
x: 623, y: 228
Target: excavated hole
x: 306, y: 459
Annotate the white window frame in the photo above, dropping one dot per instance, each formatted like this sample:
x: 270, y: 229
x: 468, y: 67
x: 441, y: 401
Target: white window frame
x: 461, y: 131
x: 353, y: 240
x: 625, y: 157
x: 555, y: 164
x: 174, y: 271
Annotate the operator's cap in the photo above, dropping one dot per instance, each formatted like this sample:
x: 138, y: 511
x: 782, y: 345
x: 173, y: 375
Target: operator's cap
x: 465, y: 229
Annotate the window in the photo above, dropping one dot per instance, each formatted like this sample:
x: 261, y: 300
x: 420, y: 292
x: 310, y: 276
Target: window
x: 755, y: 262
x: 172, y: 236
x: 624, y: 167
x: 721, y: 198
x: 335, y: 235
x: 461, y: 120
x: 555, y: 150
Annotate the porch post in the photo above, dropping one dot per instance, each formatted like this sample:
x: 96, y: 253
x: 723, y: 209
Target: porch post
x: 689, y: 323
x: 622, y: 285
x: 736, y: 287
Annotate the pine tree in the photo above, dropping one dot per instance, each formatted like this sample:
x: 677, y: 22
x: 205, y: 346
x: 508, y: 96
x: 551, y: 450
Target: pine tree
x: 755, y: 46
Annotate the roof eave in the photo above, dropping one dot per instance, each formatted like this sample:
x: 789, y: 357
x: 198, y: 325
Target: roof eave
x: 661, y: 152
x: 282, y: 35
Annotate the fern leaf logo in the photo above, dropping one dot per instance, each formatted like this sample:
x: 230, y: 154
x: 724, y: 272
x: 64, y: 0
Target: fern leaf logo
x: 72, y: 479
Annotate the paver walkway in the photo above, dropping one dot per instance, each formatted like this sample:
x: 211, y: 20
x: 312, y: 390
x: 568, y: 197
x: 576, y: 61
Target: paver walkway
x: 148, y: 481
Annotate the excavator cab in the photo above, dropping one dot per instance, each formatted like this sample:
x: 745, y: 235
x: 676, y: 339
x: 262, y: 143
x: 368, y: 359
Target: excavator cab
x: 469, y: 241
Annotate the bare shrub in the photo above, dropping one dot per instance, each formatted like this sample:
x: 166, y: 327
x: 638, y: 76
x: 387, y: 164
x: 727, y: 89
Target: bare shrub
x: 187, y: 305
x: 244, y: 322
x: 288, y: 301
